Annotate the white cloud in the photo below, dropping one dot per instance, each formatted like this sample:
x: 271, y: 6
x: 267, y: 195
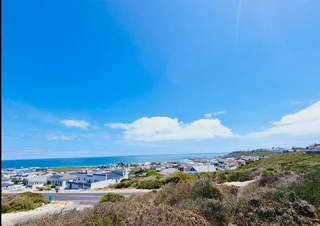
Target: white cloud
x: 208, y: 115
x: 304, y: 122
x: 165, y: 128
x: 219, y: 112
x: 56, y: 137
x: 75, y: 123
x: 295, y: 102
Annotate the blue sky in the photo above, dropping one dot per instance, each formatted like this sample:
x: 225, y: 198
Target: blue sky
x: 100, y: 78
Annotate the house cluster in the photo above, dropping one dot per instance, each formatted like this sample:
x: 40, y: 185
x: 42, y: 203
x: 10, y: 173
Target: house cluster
x: 20, y: 179
x: 193, y: 166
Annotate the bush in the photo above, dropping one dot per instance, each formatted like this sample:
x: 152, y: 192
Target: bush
x: 121, y: 214
x: 212, y: 210
x: 203, y: 189
x: 172, y: 194
x: 53, y: 186
x: 307, y: 187
x: 152, y: 173
x: 221, y: 177
x: 228, y: 190
x: 22, y: 202
x: 112, y: 197
x: 181, y: 177
x: 149, y: 184
x: 239, y: 176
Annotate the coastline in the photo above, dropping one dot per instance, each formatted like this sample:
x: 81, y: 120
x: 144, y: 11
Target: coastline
x: 91, y: 162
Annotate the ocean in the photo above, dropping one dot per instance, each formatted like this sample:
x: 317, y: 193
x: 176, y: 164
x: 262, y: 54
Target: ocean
x: 96, y: 161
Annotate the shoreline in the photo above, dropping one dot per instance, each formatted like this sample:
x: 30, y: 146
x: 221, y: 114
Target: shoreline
x: 153, y: 158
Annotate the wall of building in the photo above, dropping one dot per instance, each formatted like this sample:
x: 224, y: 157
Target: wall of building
x: 102, y: 184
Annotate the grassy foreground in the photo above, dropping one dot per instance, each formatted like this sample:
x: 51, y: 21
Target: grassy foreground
x: 288, y: 195
x: 21, y: 202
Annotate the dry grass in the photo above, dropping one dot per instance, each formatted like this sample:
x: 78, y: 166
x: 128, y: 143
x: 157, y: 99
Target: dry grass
x: 122, y: 214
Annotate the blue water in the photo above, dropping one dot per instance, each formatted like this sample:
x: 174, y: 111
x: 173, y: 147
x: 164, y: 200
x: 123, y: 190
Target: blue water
x: 96, y: 161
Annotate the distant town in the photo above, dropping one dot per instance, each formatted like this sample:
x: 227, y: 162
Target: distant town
x: 40, y: 179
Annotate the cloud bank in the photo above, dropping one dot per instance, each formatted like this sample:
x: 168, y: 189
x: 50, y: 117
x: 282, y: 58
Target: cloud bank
x: 304, y: 122
x: 165, y: 128
x: 56, y: 137
x: 75, y: 123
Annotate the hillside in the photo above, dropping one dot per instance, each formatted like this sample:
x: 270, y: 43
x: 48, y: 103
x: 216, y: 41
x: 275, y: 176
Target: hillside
x: 286, y: 193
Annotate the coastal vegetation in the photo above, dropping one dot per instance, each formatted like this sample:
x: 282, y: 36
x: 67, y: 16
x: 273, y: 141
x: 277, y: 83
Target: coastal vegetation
x: 281, y: 194
x: 21, y: 202
x: 112, y: 197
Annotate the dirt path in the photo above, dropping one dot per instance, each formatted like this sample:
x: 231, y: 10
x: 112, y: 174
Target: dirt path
x: 239, y: 184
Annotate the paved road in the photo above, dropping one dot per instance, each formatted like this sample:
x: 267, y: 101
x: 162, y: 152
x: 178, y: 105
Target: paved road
x: 80, y: 201
x: 82, y: 198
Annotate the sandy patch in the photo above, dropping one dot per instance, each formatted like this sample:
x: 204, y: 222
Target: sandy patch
x: 57, y: 205
x: 239, y: 184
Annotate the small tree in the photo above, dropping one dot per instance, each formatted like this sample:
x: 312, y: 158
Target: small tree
x: 203, y: 189
x: 112, y: 197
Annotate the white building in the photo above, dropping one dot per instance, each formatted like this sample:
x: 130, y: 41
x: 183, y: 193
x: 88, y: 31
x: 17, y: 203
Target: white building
x: 86, y: 180
x: 202, y: 169
x: 38, y: 181
x: 61, y: 179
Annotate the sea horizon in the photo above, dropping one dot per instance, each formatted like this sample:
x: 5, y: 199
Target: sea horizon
x: 102, y: 160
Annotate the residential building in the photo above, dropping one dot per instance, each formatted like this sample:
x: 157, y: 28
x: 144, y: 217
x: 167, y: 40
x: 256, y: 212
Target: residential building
x: 61, y: 179
x: 38, y: 181
x: 169, y: 171
x: 86, y: 180
x: 202, y: 169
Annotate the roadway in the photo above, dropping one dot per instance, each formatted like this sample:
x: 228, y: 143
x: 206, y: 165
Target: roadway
x: 76, y: 200
x: 82, y: 198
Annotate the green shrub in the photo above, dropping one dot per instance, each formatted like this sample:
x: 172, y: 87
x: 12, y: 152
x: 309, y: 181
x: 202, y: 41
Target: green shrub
x: 239, y: 176
x: 212, y: 210
x: 112, y: 197
x: 221, y: 177
x: 53, y: 186
x: 308, y: 187
x: 181, y: 177
x: 203, y: 189
x: 172, y: 194
x: 152, y: 173
x: 149, y: 184
x: 22, y: 202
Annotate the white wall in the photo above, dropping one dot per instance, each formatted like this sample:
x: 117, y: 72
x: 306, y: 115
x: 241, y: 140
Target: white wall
x: 102, y: 184
x: 98, y: 177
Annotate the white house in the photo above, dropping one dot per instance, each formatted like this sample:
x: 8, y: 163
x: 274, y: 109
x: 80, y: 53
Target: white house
x: 61, y: 179
x: 169, y: 171
x: 38, y: 181
x: 91, y: 180
x: 202, y: 169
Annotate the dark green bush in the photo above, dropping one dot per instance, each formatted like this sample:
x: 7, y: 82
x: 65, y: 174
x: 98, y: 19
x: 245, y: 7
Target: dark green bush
x: 149, y: 184
x: 181, y: 177
x: 112, y: 197
x: 152, y: 173
x: 211, y: 209
x: 22, y: 202
x: 239, y: 176
x: 203, y: 189
x: 221, y: 177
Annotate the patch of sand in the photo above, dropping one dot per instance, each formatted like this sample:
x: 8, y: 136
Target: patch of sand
x: 239, y: 184
x: 51, y: 207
